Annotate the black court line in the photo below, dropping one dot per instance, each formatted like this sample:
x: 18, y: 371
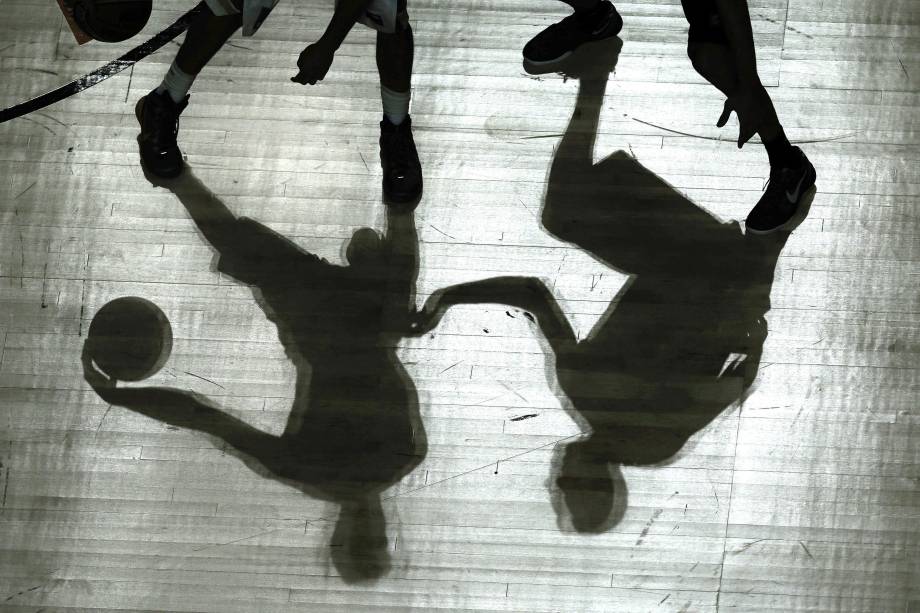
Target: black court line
x: 101, y: 74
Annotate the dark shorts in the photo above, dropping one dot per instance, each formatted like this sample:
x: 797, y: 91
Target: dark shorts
x: 705, y: 24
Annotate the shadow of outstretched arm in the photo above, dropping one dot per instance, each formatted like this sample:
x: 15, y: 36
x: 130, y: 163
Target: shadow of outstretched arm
x: 182, y: 409
x: 526, y: 293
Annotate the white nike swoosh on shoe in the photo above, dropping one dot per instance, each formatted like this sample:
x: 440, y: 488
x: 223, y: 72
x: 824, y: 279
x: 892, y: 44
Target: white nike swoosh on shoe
x: 794, y: 196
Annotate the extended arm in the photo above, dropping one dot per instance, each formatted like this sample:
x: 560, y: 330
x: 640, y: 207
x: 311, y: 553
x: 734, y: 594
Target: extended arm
x: 182, y: 409
x: 749, y: 99
x: 526, y: 293
x: 315, y: 60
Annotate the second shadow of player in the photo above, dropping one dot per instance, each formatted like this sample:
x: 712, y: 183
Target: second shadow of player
x: 678, y: 345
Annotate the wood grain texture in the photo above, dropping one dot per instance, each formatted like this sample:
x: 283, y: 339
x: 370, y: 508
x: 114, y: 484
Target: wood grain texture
x: 797, y: 485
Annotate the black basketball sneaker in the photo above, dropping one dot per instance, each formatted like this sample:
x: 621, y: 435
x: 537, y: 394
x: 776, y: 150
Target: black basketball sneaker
x: 779, y: 204
x: 159, y: 119
x: 559, y: 40
x: 402, y: 171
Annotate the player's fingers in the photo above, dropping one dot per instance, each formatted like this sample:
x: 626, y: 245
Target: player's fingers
x: 726, y: 113
x: 744, y: 135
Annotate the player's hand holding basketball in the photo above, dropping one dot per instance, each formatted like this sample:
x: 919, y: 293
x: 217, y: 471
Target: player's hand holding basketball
x: 314, y: 63
x: 751, y: 106
x: 96, y: 379
x: 419, y: 323
x: 427, y: 319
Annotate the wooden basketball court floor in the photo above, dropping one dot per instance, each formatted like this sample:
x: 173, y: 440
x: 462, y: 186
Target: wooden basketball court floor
x: 799, y: 486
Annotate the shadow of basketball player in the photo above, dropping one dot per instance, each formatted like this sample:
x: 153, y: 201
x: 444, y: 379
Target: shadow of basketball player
x: 679, y: 344
x: 354, y: 428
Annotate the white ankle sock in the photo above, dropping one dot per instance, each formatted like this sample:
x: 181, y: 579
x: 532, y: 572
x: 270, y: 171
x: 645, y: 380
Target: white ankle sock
x: 395, y: 104
x: 177, y: 82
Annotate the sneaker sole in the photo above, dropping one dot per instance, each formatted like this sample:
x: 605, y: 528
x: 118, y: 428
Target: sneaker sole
x: 545, y: 62
x: 798, y: 216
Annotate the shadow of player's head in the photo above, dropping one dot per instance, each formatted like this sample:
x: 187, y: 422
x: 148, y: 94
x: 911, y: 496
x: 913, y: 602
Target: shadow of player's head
x: 359, y: 544
x: 682, y: 340
x: 365, y: 249
x: 589, y: 495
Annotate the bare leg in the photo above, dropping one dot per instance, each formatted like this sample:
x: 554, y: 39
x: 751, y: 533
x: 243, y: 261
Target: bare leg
x: 395, y: 53
x: 206, y: 35
x: 158, y: 113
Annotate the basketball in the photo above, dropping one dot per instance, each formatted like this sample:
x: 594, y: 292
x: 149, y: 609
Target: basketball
x: 129, y: 339
x: 111, y: 21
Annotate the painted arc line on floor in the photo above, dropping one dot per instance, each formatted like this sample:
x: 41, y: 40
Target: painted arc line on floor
x: 101, y: 74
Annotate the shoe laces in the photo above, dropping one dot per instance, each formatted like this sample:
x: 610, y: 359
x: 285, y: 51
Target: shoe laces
x: 164, y: 121
x: 781, y: 179
x: 778, y: 187
x: 400, y: 145
x: 774, y: 183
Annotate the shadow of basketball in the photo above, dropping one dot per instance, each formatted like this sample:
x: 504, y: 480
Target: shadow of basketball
x: 129, y: 339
